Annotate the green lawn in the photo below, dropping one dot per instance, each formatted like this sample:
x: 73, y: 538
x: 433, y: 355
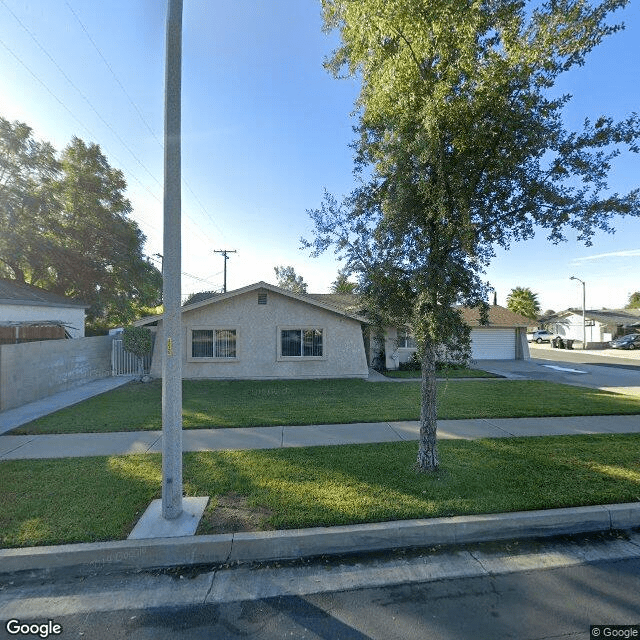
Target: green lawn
x: 91, y: 499
x: 213, y: 404
x: 442, y: 373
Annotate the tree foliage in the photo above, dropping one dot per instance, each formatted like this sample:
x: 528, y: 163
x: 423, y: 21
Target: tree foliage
x: 461, y: 147
x: 288, y: 279
x: 65, y: 227
x: 342, y: 284
x: 634, y: 301
x: 137, y: 340
x: 523, y: 301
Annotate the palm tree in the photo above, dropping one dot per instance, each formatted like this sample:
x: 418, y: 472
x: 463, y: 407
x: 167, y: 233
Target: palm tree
x: 523, y: 301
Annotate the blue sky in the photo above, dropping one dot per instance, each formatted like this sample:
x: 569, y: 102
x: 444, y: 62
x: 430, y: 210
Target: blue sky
x: 265, y: 130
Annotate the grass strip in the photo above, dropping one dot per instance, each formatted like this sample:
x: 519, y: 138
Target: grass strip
x: 244, y: 403
x: 445, y: 374
x: 45, y: 502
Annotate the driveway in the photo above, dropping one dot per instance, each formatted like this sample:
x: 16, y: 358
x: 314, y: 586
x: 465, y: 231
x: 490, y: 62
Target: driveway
x: 597, y: 370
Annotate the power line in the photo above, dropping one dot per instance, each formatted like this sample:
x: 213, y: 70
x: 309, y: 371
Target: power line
x: 68, y: 79
x: 85, y: 127
x: 113, y: 73
x: 138, y: 111
x: 157, y: 257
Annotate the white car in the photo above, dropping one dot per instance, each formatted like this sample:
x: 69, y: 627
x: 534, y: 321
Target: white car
x: 540, y: 336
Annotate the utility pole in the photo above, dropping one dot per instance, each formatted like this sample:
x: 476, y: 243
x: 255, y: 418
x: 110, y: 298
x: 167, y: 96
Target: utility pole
x: 171, y: 269
x: 224, y: 252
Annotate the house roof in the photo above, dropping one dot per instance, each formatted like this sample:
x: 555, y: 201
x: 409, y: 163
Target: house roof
x: 498, y: 317
x: 18, y: 293
x: 347, y: 304
x: 208, y: 298
x: 624, y: 317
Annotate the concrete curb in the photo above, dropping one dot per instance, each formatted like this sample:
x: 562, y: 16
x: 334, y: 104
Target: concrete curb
x: 305, y: 543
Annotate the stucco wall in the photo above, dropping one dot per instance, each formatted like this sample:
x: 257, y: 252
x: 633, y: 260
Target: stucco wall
x: 395, y: 355
x: 71, y: 316
x: 571, y: 328
x: 257, y: 328
x: 35, y: 370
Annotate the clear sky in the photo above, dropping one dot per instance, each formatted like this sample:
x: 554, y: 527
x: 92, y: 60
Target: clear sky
x: 265, y: 130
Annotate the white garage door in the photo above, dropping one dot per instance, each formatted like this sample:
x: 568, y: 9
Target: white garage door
x: 493, y: 344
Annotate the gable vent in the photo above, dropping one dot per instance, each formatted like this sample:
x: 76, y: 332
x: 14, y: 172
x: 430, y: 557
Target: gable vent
x: 262, y: 298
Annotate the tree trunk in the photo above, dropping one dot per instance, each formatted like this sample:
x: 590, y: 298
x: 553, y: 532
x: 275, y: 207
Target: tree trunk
x: 428, y: 449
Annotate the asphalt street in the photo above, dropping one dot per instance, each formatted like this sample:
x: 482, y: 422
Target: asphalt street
x: 521, y: 603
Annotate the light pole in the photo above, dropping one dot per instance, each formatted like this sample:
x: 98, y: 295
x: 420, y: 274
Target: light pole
x: 584, y: 324
x: 171, y: 267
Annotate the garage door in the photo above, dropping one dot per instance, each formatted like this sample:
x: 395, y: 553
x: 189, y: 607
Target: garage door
x: 493, y: 344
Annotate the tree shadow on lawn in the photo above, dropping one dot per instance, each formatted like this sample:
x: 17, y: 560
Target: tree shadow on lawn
x: 324, y: 486
x: 60, y: 501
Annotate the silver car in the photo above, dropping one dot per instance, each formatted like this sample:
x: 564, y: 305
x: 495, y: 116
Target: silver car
x: 540, y: 336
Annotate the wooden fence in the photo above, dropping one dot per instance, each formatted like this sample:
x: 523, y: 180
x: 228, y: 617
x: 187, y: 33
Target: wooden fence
x: 17, y: 334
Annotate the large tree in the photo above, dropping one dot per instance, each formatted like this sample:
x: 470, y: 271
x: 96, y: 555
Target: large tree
x: 65, y: 227
x: 634, y: 301
x: 28, y: 208
x: 288, y: 279
x: 342, y: 284
x: 462, y: 147
x: 523, y: 301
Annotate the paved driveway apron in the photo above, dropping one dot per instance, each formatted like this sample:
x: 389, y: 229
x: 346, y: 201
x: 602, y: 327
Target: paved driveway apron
x: 609, y: 376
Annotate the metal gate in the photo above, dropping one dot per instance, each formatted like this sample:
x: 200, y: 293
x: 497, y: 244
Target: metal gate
x: 124, y: 363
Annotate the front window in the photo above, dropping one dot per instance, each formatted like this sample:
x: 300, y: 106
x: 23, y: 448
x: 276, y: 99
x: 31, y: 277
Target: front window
x: 213, y: 343
x: 405, y: 340
x: 301, y: 343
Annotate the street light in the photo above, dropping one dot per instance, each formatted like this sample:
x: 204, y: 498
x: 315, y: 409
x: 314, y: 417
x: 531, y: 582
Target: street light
x: 584, y: 324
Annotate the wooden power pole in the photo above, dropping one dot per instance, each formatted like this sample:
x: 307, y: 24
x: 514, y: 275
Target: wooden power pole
x: 224, y: 252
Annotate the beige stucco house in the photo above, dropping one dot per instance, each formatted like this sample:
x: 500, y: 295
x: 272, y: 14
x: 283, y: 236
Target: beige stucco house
x: 504, y: 338
x: 264, y: 332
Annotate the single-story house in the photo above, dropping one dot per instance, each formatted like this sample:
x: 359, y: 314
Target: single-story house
x: 504, y: 338
x: 31, y: 313
x: 264, y: 332
x: 601, y: 326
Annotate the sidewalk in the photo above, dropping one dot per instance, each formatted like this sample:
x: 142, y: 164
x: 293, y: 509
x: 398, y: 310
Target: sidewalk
x: 120, y: 443
x: 12, y: 418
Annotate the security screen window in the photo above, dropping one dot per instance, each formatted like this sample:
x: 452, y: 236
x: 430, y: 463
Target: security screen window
x: 301, y: 343
x: 213, y: 343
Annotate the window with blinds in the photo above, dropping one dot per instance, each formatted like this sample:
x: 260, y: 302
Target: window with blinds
x: 213, y: 343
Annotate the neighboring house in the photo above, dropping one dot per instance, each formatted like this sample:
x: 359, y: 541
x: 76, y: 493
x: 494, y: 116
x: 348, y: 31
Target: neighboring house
x: 601, y: 326
x: 504, y: 338
x: 30, y: 313
x: 265, y: 332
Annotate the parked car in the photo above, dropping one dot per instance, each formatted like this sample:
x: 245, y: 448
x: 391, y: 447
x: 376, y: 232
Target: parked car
x: 542, y: 335
x: 631, y: 341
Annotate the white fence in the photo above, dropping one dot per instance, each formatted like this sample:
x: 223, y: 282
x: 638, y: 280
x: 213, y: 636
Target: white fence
x: 124, y: 363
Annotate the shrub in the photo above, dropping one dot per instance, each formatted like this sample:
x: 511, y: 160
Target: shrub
x: 137, y: 340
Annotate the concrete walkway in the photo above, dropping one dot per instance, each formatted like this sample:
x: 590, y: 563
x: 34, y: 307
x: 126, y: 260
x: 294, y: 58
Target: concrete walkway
x: 12, y: 418
x: 102, y: 444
